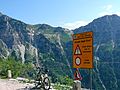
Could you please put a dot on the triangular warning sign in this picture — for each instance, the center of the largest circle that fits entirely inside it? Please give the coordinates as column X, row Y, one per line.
column 77, row 51
column 77, row 75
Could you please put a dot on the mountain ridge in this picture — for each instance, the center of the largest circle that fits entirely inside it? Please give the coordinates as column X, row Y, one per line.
column 52, row 47
column 39, row 44
column 106, row 31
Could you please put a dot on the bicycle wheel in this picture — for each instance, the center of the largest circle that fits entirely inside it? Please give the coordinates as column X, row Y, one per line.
column 46, row 83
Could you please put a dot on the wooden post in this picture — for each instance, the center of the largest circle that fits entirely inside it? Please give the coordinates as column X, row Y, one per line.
column 77, row 85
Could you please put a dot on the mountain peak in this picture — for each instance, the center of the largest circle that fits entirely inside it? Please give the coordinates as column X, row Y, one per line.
column 113, row 16
column 107, row 19
column 102, row 24
column 1, row 14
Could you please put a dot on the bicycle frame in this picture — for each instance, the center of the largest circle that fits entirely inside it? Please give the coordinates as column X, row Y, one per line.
column 41, row 80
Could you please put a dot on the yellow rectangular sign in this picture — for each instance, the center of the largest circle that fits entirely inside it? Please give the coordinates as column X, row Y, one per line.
column 83, row 50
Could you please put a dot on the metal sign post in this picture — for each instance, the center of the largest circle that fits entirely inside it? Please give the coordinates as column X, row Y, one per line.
column 90, row 70
column 83, row 52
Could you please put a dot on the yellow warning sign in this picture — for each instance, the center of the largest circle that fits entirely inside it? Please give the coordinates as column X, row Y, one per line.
column 83, row 50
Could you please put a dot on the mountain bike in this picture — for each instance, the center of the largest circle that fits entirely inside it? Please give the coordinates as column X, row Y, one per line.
column 42, row 80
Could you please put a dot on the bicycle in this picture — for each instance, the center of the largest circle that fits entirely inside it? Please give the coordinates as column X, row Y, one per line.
column 42, row 80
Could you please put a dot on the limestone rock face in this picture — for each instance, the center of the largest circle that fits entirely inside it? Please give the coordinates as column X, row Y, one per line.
column 42, row 44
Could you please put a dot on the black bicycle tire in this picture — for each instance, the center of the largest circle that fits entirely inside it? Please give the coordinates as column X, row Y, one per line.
column 48, row 82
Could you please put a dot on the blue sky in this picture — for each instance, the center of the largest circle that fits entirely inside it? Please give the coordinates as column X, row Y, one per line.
column 66, row 13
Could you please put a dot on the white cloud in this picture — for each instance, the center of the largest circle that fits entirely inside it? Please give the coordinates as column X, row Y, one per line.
column 108, row 7
column 75, row 24
column 107, row 10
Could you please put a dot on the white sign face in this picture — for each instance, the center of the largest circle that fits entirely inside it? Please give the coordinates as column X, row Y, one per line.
column 77, row 61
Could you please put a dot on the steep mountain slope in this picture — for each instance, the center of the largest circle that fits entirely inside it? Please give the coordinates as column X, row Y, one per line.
column 106, row 51
column 51, row 47
column 38, row 44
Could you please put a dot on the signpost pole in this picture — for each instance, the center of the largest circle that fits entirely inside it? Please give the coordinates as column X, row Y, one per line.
column 83, row 52
column 90, row 70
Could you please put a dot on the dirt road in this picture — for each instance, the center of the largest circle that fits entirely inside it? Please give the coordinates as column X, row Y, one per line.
column 13, row 85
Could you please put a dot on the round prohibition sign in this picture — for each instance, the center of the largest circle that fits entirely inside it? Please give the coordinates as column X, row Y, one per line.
column 77, row 61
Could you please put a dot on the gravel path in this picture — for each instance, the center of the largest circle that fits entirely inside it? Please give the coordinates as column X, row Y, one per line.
column 13, row 85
